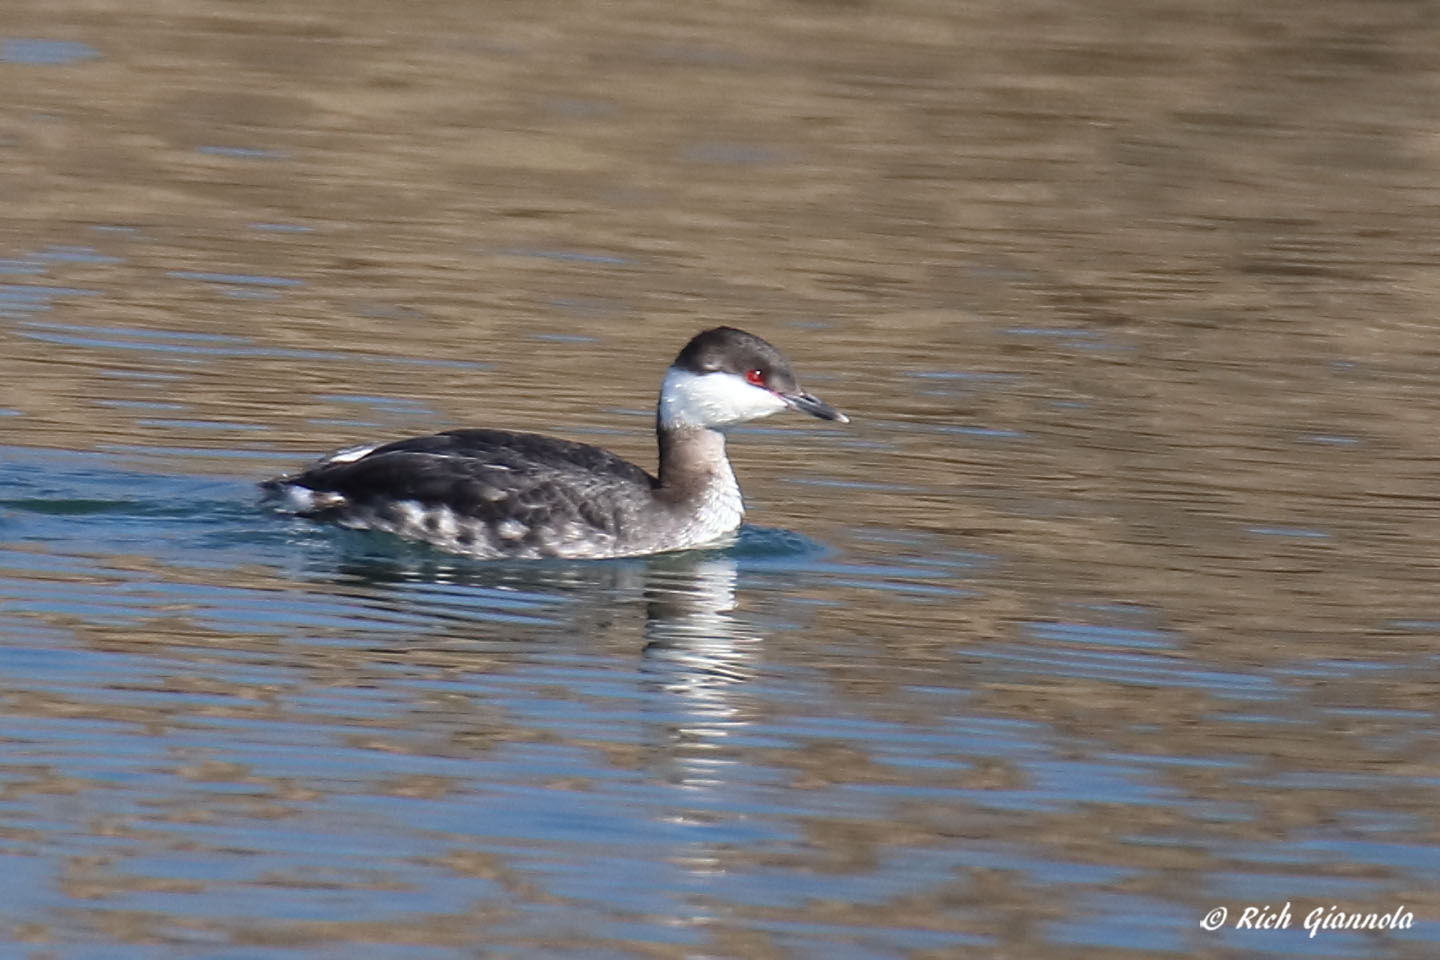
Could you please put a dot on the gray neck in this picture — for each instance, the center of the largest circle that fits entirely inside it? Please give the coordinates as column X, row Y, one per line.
column 691, row 458
column 695, row 475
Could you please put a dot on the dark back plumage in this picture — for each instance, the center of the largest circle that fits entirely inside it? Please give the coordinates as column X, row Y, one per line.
column 509, row 488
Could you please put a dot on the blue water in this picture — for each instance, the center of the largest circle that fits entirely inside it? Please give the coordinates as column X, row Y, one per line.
column 220, row 719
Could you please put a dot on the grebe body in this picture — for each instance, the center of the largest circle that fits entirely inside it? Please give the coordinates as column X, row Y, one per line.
column 494, row 493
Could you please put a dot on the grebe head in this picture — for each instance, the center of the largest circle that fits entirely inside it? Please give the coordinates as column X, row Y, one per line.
column 726, row 376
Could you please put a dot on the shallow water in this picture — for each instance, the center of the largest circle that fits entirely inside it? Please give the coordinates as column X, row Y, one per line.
column 1114, row 605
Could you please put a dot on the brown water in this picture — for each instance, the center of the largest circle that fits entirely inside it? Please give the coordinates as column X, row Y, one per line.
column 1115, row 604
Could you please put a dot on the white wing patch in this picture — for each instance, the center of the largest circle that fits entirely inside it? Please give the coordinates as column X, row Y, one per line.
column 351, row 454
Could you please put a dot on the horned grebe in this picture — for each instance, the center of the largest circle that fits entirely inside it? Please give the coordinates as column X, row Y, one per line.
column 493, row 493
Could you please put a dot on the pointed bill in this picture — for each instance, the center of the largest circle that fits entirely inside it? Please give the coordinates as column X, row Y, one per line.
column 813, row 405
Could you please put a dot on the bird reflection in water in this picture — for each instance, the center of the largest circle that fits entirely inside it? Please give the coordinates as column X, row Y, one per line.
column 690, row 662
column 695, row 654
column 697, row 658
column 693, row 643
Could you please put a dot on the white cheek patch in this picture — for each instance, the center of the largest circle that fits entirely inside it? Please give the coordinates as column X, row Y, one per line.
column 712, row 400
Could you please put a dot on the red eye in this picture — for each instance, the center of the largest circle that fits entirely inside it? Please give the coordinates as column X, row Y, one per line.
column 756, row 376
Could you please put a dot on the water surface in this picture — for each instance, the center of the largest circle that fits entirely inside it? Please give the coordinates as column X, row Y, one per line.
column 1115, row 603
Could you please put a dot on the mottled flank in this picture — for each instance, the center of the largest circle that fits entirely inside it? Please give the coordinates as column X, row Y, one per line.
column 492, row 493
column 487, row 493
